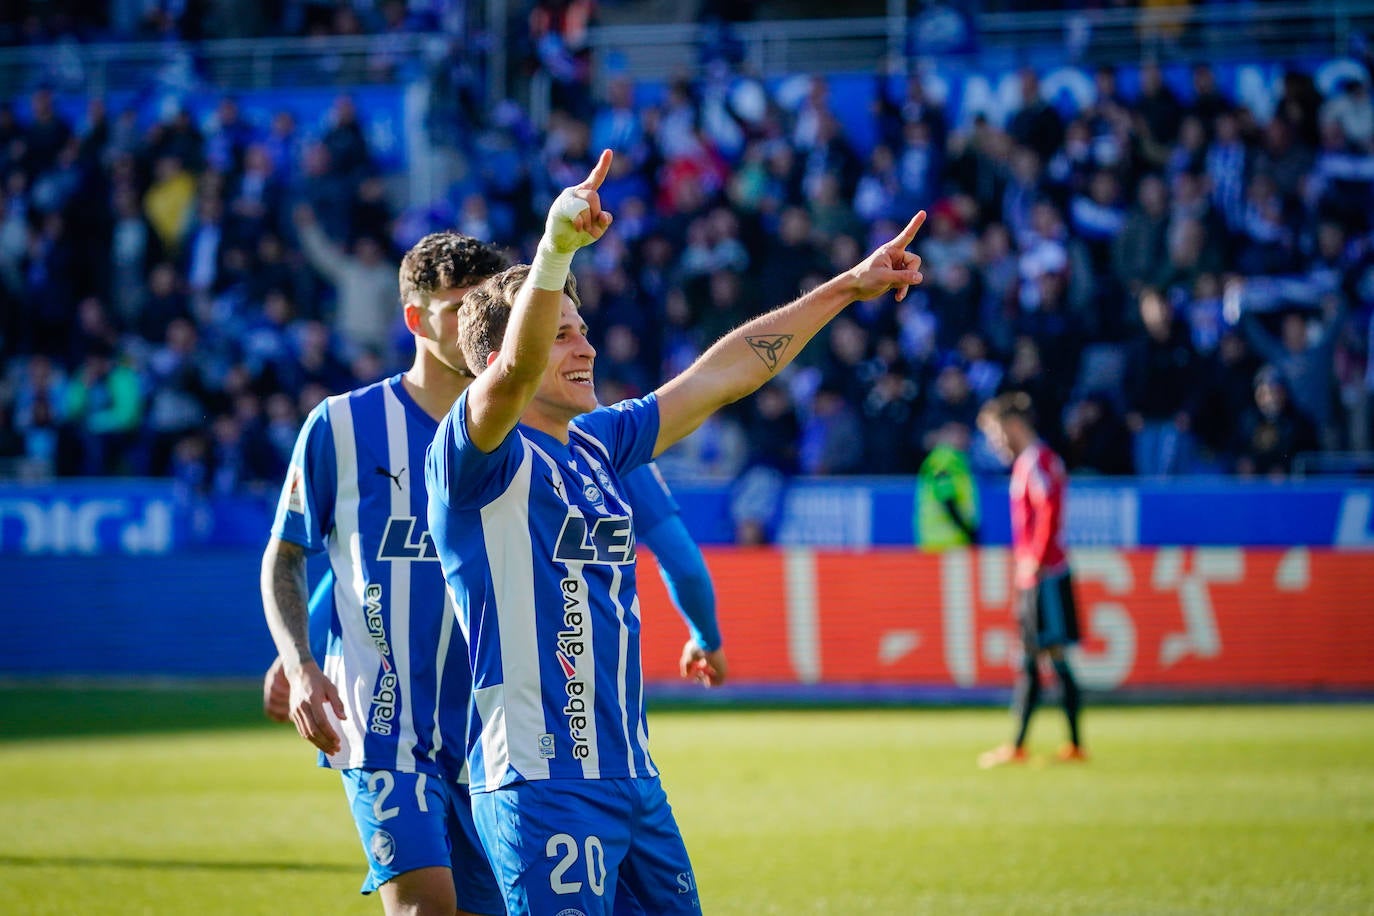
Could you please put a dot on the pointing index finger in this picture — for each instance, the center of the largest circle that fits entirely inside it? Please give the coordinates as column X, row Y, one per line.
column 599, row 172
column 907, row 235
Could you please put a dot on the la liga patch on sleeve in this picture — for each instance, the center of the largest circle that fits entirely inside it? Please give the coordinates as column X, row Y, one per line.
column 295, row 483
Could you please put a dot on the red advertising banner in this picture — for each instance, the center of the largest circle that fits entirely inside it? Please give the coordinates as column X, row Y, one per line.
column 1212, row 617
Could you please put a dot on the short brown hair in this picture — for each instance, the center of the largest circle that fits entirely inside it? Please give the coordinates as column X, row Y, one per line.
column 1007, row 405
column 486, row 312
column 446, row 260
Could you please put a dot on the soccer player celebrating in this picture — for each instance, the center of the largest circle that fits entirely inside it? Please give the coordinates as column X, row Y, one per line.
column 354, row 488
column 529, row 515
column 435, row 275
column 1045, row 605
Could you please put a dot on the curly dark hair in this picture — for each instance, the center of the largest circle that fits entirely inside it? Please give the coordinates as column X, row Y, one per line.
column 444, row 260
column 486, row 312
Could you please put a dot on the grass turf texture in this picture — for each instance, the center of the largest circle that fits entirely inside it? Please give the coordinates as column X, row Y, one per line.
column 1182, row 810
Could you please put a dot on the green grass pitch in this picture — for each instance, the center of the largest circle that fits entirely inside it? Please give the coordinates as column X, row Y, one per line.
column 182, row 802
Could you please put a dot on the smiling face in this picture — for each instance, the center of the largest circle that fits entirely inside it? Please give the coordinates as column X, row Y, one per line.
column 566, row 390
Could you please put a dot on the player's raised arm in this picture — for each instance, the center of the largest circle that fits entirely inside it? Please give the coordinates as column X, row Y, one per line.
column 743, row 360
column 502, row 392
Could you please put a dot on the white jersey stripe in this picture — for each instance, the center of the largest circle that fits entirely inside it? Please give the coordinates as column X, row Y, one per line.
column 345, row 553
column 554, row 473
column 601, row 446
column 585, row 666
column 398, row 455
column 641, row 730
column 495, row 738
column 623, row 653
column 445, row 638
column 505, row 529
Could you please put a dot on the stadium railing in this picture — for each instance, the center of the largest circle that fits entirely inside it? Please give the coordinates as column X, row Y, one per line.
column 1205, row 32
column 254, row 63
column 769, row 48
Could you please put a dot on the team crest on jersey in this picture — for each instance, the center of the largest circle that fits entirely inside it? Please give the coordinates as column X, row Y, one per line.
column 570, row 911
column 591, row 493
column 383, row 848
column 605, row 480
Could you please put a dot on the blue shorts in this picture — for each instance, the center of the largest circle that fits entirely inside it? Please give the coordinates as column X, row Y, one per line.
column 412, row 820
column 571, row 847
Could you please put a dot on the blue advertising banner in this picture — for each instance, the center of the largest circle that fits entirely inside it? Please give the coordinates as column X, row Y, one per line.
column 92, row 517
column 142, row 517
column 1125, row 513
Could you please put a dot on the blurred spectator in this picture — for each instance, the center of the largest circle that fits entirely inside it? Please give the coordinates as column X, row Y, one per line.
column 1208, row 101
column 1161, row 390
column 180, row 396
column 364, row 283
column 1160, row 110
column 831, row 437
column 1097, row 440
column 1303, row 359
column 953, row 403
column 102, row 408
column 946, row 494
column 1142, row 245
column 1036, row 124
column 1027, row 373
column 1352, row 111
column 773, row 432
column 1227, row 164
column 168, row 201
column 1227, row 394
column 1272, row 432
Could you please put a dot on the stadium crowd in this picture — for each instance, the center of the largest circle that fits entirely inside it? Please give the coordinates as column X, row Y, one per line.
column 1180, row 285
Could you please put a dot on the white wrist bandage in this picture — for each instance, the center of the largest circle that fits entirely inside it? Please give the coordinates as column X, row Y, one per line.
column 554, row 257
column 549, row 269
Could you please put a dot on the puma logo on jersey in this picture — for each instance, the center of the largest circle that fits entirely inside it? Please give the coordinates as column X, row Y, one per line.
column 395, row 478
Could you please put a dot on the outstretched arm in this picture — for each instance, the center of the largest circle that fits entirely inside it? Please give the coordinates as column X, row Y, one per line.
column 501, row 393
column 743, row 360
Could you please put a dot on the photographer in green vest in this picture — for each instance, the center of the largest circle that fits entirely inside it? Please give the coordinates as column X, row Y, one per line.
column 946, row 495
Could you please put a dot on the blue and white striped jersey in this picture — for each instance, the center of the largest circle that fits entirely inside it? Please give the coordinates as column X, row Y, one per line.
column 356, row 489
column 537, row 544
column 648, row 493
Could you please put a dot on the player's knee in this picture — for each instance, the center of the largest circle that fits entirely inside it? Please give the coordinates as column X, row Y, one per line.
column 421, row 892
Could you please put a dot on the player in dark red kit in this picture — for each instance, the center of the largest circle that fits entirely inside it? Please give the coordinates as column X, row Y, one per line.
column 1045, row 605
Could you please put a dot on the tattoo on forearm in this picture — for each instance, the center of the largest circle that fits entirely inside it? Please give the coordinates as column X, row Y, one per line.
column 289, row 593
column 770, row 348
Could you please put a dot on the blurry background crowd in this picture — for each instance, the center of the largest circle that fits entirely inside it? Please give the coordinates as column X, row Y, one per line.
column 1182, row 284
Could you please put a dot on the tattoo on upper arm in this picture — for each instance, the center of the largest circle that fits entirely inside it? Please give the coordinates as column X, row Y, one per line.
column 770, row 348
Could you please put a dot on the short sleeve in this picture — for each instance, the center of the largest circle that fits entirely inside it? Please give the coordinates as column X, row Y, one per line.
column 460, row 475
column 627, row 432
column 305, row 509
